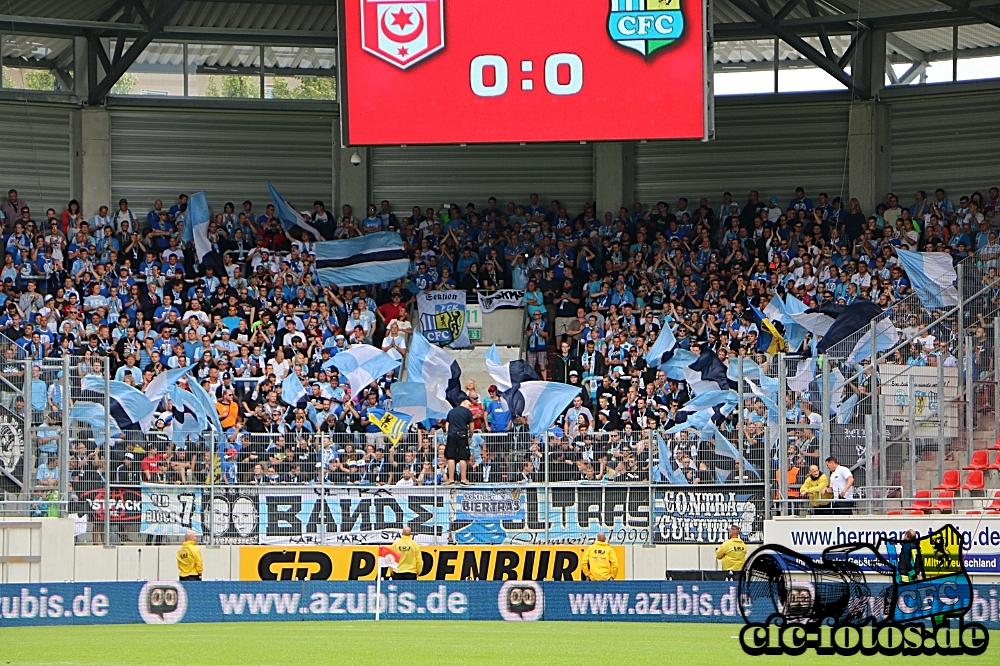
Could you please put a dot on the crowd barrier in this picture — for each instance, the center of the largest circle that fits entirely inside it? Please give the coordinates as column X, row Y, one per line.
column 170, row 602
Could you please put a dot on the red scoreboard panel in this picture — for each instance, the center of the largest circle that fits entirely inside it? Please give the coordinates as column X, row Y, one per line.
column 476, row 71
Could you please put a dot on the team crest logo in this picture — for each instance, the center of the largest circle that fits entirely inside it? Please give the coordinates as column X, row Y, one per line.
column 402, row 33
column 645, row 26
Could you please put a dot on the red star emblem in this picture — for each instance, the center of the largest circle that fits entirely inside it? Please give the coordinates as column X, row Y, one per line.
column 403, row 52
column 401, row 19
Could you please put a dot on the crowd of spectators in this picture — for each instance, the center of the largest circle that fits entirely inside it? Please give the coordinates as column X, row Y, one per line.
column 121, row 285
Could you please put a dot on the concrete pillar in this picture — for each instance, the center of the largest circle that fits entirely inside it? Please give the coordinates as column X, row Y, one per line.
column 92, row 159
column 614, row 168
column 353, row 180
column 868, row 154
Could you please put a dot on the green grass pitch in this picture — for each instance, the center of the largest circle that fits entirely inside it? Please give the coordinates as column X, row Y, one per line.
column 409, row 643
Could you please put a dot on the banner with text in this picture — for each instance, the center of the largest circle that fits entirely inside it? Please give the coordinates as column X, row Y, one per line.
column 171, row 602
column 170, row 510
column 704, row 516
column 439, row 563
column 442, row 318
column 502, row 298
column 980, row 534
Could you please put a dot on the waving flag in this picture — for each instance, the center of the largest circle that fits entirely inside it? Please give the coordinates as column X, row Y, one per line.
column 196, row 224
column 292, row 390
column 854, row 317
column 129, row 406
column 816, row 323
column 392, row 423
column 665, row 469
column 886, row 337
column 933, row 277
column 544, row 403
column 207, row 403
column 362, row 365
column 290, row 219
column 750, row 369
column 159, row 388
column 725, row 448
column 710, row 399
column 189, row 417
column 499, row 372
column 370, row 259
column 433, row 365
column 93, row 414
column 769, row 340
column 678, row 363
column 664, row 345
column 805, row 373
column 707, row 373
column 420, row 400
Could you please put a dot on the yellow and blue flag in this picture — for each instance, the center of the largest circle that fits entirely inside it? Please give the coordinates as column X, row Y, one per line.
column 769, row 340
column 393, row 424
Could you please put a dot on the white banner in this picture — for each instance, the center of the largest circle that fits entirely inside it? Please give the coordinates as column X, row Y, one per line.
column 926, row 397
column 170, row 509
column 443, row 319
column 503, row 298
column 812, row 535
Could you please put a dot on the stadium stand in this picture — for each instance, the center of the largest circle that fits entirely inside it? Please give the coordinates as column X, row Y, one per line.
column 600, row 288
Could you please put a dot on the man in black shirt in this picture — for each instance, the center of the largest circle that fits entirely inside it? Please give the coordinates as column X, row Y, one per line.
column 456, row 449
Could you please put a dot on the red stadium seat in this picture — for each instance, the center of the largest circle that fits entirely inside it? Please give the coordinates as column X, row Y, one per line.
column 995, row 504
column 996, row 461
column 944, row 504
column 996, row 445
column 975, row 480
column 980, row 460
column 952, row 480
column 921, row 503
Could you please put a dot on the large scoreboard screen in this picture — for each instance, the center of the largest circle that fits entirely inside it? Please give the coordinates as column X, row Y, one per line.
column 488, row 71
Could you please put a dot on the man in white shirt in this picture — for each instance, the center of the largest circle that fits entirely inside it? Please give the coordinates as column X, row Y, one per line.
column 842, row 484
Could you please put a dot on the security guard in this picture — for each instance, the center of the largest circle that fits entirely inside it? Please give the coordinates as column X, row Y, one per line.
column 600, row 561
column 189, row 564
column 732, row 552
column 410, row 562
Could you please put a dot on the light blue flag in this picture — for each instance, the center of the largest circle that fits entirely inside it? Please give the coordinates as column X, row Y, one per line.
column 189, row 418
column 795, row 334
column 697, row 421
column 371, row 259
column 711, row 399
column 128, row 404
column 208, row 404
column 292, row 391
column 196, row 224
column 428, row 363
column 93, row 415
column 674, row 368
column 362, row 365
column 751, row 370
column 499, row 371
column 414, row 399
column 288, row 216
column 886, row 337
column 159, row 388
column 846, row 410
column 721, row 475
column 544, row 402
column 665, row 467
column 725, row 448
column 664, row 344
column 932, row 276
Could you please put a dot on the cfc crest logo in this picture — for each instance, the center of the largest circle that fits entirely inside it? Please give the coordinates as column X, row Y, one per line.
column 645, row 26
column 402, row 33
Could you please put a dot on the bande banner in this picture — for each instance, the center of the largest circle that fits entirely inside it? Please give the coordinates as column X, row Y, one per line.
column 705, row 516
column 443, row 319
column 170, row 510
column 502, row 298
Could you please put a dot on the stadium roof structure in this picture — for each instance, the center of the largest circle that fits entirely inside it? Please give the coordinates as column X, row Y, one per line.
column 848, row 39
